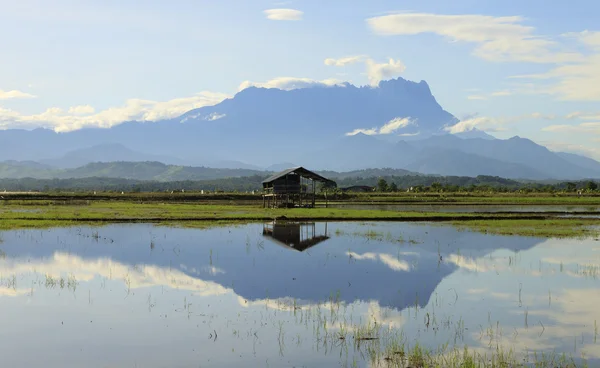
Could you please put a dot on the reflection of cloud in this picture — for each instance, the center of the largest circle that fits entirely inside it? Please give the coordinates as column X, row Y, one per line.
column 135, row 277
column 469, row 264
column 390, row 318
column 389, row 260
column 8, row 291
column 213, row 270
column 477, row 291
column 572, row 317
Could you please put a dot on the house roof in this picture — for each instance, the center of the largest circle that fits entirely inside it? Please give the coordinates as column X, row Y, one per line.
column 297, row 170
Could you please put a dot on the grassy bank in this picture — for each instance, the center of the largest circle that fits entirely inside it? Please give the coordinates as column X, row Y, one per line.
column 44, row 214
column 381, row 198
column 548, row 228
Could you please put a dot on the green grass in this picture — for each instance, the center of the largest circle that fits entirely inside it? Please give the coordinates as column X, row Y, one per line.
column 45, row 214
column 474, row 198
column 554, row 228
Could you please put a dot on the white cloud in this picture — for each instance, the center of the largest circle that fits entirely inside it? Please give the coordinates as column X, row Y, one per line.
column 588, row 38
column 388, row 128
column 284, row 14
column 378, row 72
column 481, row 122
column 496, row 38
column 345, row 60
column 578, row 80
column 574, row 115
column 289, row 83
column 490, row 124
column 501, row 93
column 574, row 81
column 14, row 94
column 581, row 149
column 394, row 124
column 214, row 116
column 476, row 97
column 82, row 110
column 371, row 131
column 581, row 128
column 134, row 109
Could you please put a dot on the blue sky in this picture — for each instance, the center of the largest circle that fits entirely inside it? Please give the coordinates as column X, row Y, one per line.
column 528, row 68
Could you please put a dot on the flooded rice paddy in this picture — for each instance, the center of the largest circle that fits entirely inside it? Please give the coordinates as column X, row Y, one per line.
column 302, row 295
column 470, row 208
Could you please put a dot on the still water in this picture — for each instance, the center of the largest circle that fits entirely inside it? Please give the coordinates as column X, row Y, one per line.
column 297, row 295
column 494, row 208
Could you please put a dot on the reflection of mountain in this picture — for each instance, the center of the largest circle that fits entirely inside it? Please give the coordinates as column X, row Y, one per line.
column 357, row 268
column 294, row 235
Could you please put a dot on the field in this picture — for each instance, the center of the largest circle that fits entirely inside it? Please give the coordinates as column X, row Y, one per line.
column 42, row 210
column 477, row 198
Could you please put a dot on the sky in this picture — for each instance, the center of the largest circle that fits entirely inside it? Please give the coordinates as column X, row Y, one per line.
column 527, row 68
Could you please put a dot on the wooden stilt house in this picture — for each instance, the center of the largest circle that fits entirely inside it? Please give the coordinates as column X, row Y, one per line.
column 295, row 187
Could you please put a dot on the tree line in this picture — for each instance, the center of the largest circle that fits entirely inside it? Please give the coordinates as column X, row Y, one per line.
column 413, row 183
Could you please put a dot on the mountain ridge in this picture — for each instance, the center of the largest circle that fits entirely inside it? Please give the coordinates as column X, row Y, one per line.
column 398, row 124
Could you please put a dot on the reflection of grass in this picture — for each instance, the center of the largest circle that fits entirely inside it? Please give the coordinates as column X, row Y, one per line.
column 591, row 271
column 555, row 228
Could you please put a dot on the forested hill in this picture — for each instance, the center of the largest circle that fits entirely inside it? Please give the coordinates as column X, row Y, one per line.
column 154, row 171
column 251, row 183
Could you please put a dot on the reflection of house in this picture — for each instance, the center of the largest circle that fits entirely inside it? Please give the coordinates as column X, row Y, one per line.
column 297, row 235
column 292, row 187
column 358, row 189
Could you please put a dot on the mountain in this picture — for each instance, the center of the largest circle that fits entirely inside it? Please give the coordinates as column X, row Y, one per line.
column 474, row 133
column 581, row 161
column 447, row 154
column 396, row 125
column 454, row 162
column 127, row 170
column 109, row 152
column 260, row 125
column 514, row 150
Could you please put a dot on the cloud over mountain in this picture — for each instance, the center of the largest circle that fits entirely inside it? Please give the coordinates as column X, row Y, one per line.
column 284, row 14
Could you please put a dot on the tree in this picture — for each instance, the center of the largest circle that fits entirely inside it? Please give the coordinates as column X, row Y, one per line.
column 393, row 187
column 382, row 185
column 571, row 187
column 436, row 187
column 591, row 185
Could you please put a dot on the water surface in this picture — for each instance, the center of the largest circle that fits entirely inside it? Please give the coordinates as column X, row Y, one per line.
column 465, row 208
column 265, row 295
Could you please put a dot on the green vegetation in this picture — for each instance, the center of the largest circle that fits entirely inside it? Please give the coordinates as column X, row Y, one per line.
column 158, row 177
column 555, row 228
column 153, row 171
column 45, row 213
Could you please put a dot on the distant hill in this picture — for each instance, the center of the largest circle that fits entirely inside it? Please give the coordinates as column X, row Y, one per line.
column 110, row 152
column 125, row 170
column 447, row 154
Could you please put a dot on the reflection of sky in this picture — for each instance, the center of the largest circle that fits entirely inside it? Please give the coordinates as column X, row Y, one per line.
column 157, row 305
